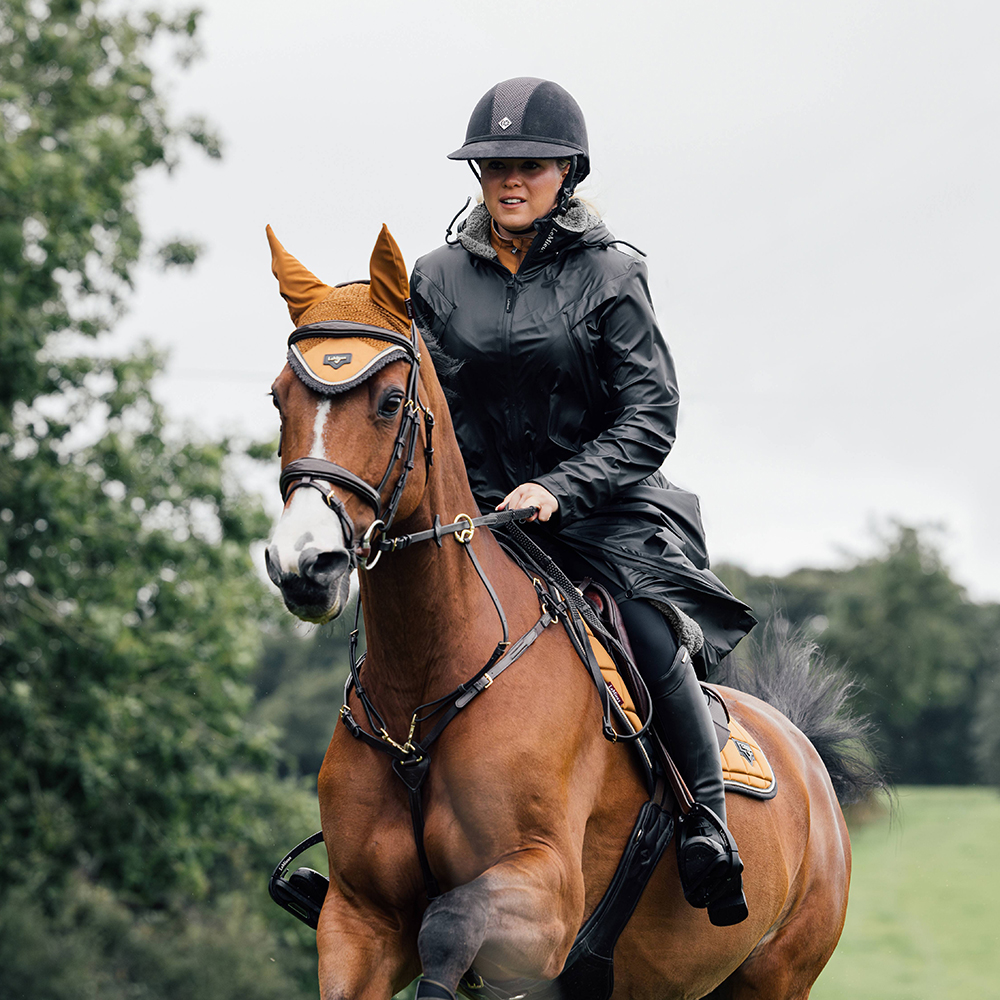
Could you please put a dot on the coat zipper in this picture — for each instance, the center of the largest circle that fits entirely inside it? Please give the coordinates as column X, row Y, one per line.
column 506, row 327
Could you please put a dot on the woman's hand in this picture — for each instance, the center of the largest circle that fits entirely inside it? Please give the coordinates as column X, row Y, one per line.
column 531, row 495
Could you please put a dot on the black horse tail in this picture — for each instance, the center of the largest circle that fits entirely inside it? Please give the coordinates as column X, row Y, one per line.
column 785, row 668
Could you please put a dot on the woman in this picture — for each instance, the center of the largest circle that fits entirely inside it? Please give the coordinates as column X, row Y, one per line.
column 566, row 400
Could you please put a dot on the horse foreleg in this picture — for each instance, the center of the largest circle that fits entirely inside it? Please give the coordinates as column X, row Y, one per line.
column 518, row 919
column 360, row 953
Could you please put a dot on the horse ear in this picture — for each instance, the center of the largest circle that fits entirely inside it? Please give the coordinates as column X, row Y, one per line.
column 299, row 287
column 390, row 287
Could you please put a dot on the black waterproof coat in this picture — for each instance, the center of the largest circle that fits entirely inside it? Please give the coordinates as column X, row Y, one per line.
column 566, row 381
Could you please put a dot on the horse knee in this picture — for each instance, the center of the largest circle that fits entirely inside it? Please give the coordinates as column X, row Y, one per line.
column 452, row 931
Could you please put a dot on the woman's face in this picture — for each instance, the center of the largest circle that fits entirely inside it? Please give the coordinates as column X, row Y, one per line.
column 517, row 192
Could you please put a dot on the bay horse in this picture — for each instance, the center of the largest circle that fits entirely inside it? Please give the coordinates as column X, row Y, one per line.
column 526, row 807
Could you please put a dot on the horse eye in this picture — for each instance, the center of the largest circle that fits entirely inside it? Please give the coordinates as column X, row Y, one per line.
column 274, row 400
column 390, row 404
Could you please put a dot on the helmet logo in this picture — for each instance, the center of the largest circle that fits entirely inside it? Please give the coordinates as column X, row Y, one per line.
column 505, row 122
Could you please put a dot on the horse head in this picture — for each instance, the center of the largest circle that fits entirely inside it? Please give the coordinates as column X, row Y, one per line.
column 350, row 402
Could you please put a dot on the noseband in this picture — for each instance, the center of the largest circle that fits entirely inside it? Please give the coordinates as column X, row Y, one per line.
column 323, row 475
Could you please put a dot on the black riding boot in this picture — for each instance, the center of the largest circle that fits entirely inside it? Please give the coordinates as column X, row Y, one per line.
column 708, row 860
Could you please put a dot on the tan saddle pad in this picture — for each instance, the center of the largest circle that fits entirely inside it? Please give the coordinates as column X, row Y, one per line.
column 745, row 768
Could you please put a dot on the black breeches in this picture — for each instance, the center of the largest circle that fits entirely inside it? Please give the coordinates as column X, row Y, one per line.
column 654, row 644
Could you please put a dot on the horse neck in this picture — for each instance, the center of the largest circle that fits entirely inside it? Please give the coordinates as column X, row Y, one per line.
column 429, row 620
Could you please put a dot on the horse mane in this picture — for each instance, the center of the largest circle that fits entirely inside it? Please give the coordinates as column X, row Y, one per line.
column 786, row 669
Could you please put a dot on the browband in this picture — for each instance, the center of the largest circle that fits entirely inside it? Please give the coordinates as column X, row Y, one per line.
column 335, row 356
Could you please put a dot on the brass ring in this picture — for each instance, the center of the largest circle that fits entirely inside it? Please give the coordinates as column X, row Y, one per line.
column 465, row 535
column 366, row 562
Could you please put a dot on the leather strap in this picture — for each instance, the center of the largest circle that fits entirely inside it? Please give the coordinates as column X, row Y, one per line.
column 412, row 761
column 496, row 519
column 413, row 775
column 319, row 468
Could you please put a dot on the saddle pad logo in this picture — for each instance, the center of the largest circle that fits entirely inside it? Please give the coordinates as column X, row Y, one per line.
column 337, row 360
column 745, row 749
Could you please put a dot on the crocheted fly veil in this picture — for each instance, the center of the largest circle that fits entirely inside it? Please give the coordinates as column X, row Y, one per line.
column 335, row 364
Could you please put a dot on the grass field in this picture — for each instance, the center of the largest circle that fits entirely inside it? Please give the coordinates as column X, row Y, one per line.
column 923, row 921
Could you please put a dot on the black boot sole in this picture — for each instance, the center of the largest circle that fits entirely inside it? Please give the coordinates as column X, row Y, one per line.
column 729, row 909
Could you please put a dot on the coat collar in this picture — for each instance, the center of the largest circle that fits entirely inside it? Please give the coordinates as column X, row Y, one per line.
column 554, row 232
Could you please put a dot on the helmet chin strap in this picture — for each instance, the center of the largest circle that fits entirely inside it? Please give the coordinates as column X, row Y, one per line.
column 566, row 190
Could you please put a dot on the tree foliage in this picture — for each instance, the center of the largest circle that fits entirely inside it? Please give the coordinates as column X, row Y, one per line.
column 919, row 648
column 140, row 807
column 299, row 688
column 131, row 622
column 80, row 119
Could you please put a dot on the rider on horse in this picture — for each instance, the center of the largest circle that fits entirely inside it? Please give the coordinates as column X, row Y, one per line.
column 566, row 399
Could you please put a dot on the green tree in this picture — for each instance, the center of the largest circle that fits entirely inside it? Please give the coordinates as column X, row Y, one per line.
column 299, row 688
column 131, row 622
column 908, row 632
column 140, row 808
column 80, row 119
column 130, row 611
column 986, row 720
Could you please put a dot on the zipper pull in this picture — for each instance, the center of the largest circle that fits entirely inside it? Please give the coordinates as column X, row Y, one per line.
column 510, row 298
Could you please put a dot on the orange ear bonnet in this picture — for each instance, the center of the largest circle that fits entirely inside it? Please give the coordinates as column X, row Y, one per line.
column 331, row 364
column 345, row 334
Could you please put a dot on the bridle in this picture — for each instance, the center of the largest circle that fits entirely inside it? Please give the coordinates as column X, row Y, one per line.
column 322, row 475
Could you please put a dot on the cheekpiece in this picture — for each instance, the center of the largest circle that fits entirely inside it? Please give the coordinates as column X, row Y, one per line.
column 333, row 357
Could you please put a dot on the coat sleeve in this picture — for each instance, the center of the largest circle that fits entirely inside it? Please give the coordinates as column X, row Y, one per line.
column 641, row 418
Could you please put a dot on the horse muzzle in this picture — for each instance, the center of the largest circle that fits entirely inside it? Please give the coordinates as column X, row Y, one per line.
column 308, row 559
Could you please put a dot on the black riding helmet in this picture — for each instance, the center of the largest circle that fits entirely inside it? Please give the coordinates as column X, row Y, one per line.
column 527, row 117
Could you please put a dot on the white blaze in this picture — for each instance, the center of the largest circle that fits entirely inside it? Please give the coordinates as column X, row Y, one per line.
column 307, row 522
column 319, row 426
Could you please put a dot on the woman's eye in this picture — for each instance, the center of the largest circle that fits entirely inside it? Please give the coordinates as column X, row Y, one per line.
column 495, row 165
column 390, row 405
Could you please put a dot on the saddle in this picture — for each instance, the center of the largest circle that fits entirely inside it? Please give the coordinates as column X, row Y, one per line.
column 745, row 768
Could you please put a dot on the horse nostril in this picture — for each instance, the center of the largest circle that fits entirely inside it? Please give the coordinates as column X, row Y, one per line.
column 323, row 567
column 273, row 570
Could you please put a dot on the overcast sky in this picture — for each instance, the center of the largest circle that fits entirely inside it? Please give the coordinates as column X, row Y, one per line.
column 815, row 185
